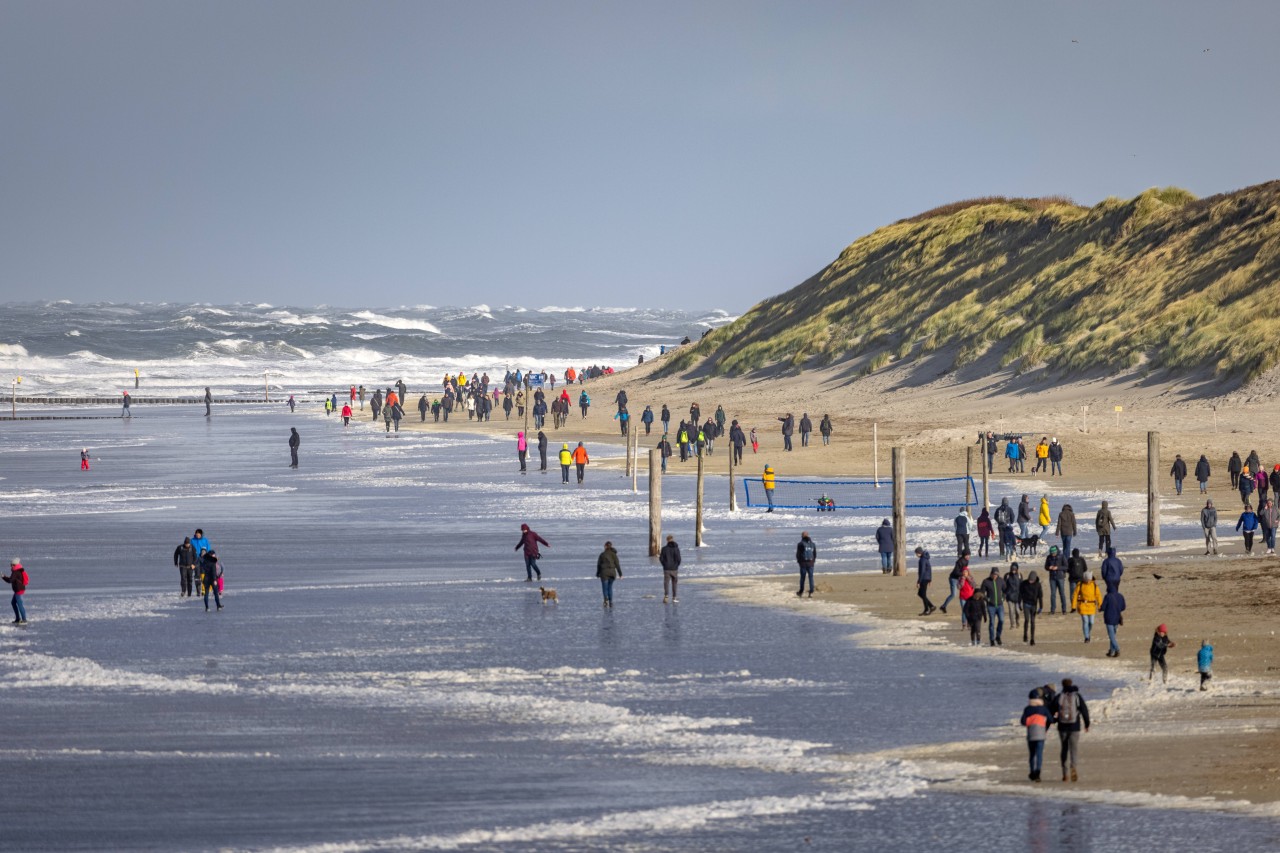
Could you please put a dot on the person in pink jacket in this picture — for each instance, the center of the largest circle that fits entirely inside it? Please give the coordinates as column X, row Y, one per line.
column 522, row 449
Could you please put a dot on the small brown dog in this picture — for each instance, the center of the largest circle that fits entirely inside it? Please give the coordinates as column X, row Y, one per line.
column 549, row 595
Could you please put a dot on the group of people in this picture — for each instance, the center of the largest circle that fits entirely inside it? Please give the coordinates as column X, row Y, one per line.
column 198, row 569
column 1047, row 453
column 608, row 569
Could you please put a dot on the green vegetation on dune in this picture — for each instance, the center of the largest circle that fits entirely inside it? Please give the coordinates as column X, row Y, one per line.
column 1162, row 281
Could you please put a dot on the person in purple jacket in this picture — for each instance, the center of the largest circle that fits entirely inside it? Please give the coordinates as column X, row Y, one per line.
column 529, row 542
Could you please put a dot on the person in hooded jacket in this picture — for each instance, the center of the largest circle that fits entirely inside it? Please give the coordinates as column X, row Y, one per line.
column 825, row 429
column 1104, row 524
column 184, row 557
column 608, row 570
column 1076, row 568
column 924, row 576
column 542, row 450
column 1086, row 601
column 1247, row 485
column 1012, row 588
column 18, row 580
column 646, row 418
column 1112, row 570
column 1055, row 458
column 1055, row 566
column 210, row 571
column 1004, row 526
column 669, row 557
column 984, row 533
column 1160, row 645
column 1024, row 515
column 1209, row 524
column 993, row 591
column 1072, row 712
column 1253, row 462
column 737, row 442
column 1045, row 517
column 884, row 544
column 1234, row 466
column 295, row 441
column 1249, row 522
column 953, row 581
column 964, row 529
column 1037, row 720
column 529, row 541
column 1202, row 474
column 1178, row 472
column 1066, row 525
column 665, row 417
column 1112, row 617
column 975, row 611
column 806, row 556
column 806, row 427
column 664, row 453
column 522, row 450
column 1268, row 519
column 1031, row 596
column 566, row 461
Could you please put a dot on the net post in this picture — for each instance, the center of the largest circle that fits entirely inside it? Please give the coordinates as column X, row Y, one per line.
column 733, row 498
column 968, row 476
column 898, row 463
column 655, row 501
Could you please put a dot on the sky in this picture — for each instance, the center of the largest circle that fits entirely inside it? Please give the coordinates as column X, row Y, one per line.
column 683, row 154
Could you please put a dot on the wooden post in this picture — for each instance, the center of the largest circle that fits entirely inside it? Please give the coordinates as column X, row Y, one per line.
column 968, row 476
column 986, row 491
column 697, row 534
column 1153, row 489
column 635, row 461
column 655, row 501
column 875, row 454
column 733, row 495
column 899, row 511
column 627, row 465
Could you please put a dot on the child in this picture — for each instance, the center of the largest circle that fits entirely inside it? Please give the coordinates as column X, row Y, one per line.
column 975, row 610
column 1160, row 644
column 1204, row 661
column 1036, row 718
column 755, row 445
column 84, row 459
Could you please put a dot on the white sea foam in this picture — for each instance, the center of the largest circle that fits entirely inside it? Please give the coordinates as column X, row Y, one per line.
column 395, row 322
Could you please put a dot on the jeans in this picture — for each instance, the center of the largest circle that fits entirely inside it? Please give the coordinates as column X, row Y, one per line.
column 217, row 598
column 1055, row 467
column 1070, row 743
column 1066, row 545
column 606, row 586
column 1086, row 623
column 768, row 493
column 991, row 458
column 1007, row 543
column 804, row 439
column 955, row 586
column 1035, row 748
column 886, row 561
column 1111, row 636
column 1056, row 585
column 1022, row 525
column 1269, row 534
column 826, row 439
column 995, row 622
column 19, row 609
column 669, row 579
column 564, row 471
column 582, row 470
column 786, row 441
column 531, row 566
column 1177, row 485
column 806, row 572
column 962, row 543
column 1204, row 487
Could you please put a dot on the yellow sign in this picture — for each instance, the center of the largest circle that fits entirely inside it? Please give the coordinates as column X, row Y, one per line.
column 1119, row 409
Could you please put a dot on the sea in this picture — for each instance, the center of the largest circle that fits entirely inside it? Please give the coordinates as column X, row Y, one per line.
column 382, row 677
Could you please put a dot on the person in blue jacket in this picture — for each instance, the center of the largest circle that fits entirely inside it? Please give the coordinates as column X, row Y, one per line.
column 646, row 418
column 1249, row 522
column 1204, row 663
column 1112, row 608
column 884, row 544
column 200, row 543
column 1112, row 570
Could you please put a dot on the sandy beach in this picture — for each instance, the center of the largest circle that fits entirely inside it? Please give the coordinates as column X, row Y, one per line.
column 1213, row 749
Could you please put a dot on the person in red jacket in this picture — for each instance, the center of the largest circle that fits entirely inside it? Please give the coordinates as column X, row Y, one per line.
column 346, row 414
column 17, row 578
column 529, row 542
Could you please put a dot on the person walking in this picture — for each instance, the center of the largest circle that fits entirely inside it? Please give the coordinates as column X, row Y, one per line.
column 788, row 427
column 1202, row 474
column 924, row 575
column 1086, row 602
column 346, row 414
column 975, row 612
column 1178, row 472
column 1112, row 570
column 1113, row 617
column 991, row 447
column 1055, row 458
column 1045, row 518
column 1072, row 713
column 884, row 544
column 755, row 442
column 1032, row 598
column 208, row 402
column 1268, row 520
column 984, row 533
column 184, row 557
column 993, row 592
column 424, row 406
column 84, row 459
column 1056, row 568
column 768, row 480
column 17, row 580
column 1160, row 645
column 608, row 570
column 1004, row 528
column 1012, row 589
column 529, row 541
column 295, row 441
column 1076, row 569
column 566, row 459
column 125, row 413
column 1066, row 525
column 806, row 427
column 669, row 557
column 964, row 529
column 1209, row 524
column 806, row 556
column 665, row 417
column 737, row 442
column 1036, row 719
column 664, row 452
column 1204, row 664
column 1104, row 524
column 646, row 418
column 1249, row 523
column 953, row 584
column 522, row 450
column 825, row 429
column 210, row 571
column 581, row 460
column 1234, row 466
column 1024, row 515
column 293, row 404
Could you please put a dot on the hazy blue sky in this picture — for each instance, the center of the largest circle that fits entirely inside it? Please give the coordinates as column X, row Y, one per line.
column 696, row 154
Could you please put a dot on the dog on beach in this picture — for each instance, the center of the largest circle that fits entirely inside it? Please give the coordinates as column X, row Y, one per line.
column 1029, row 545
column 549, row 595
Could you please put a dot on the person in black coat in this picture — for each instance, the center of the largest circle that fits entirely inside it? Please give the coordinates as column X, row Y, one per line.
column 210, row 571
column 1202, row 474
column 669, row 557
column 184, row 557
column 295, row 441
column 542, row 450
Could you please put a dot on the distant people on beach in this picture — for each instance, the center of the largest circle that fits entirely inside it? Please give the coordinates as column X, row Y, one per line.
column 208, row 402
column 806, row 556
column 669, row 558
column 125, row 413
column 295, row 441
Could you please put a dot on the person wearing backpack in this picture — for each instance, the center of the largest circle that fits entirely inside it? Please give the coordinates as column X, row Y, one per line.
column 1072, row 711
column 1037, row 720
column 806, row 556
column 210, row 572
column 17, row 578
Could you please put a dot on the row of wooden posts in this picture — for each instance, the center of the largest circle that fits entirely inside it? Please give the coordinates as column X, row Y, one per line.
column 899, row 496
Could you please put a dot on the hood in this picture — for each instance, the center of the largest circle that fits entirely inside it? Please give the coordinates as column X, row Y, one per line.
column 1111, row 553
column 1004, row 502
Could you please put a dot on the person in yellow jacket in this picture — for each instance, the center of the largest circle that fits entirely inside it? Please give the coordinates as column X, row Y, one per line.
column 580, row 459
column 1086, row 601
column 768, row 486
column 1042, row 455
column 1045, row 518
column 566, row 459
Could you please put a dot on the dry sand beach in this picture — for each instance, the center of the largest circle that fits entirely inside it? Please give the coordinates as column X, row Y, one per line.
column 1216, row 748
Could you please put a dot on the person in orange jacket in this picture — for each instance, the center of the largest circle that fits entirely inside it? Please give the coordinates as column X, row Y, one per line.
column 580, row 459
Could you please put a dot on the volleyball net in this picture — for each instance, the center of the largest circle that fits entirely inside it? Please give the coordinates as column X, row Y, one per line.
column 829, row 495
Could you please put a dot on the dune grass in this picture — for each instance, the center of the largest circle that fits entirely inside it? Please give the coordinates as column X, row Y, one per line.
column 1162, row 280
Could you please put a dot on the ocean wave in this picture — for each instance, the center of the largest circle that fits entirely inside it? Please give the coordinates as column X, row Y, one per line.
column 395, row 322
column 14, row 350
column 288, row 318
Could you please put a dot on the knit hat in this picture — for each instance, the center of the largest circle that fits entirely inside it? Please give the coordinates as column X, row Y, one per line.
column 1161, row 629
